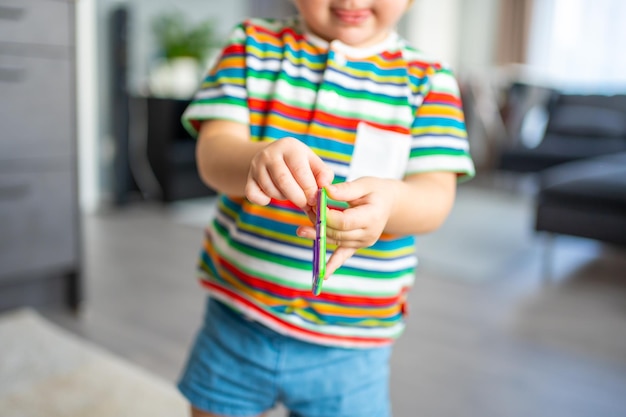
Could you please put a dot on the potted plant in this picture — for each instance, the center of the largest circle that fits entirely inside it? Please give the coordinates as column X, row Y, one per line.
column 183, row 52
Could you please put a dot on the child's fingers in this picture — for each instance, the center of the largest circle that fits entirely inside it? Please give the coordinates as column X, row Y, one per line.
column 303, row 175
column 310, row 172
column 359, row 226
column 338, row 258
column 349, row 239
column 323, row 174
column 254, row 194
column 311, row 213
column 283, row 179
column 306, row 232
column 266, row 183
column 352, row 218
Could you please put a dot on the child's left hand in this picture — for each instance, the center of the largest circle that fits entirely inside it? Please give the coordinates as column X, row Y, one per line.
column 359, row 226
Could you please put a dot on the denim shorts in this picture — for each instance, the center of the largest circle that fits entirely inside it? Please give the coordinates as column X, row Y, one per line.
column 239, row 367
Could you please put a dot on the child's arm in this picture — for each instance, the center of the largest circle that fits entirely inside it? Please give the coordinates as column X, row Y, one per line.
column 418, row 204
column 286, row 169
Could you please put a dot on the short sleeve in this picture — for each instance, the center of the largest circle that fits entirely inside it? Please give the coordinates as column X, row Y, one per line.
column 222, row 94
column 439, row 138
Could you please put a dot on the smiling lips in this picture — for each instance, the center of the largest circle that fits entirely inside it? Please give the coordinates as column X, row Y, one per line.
column 352, row 17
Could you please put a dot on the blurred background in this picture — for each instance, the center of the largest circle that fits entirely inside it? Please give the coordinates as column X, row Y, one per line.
column 519, row 304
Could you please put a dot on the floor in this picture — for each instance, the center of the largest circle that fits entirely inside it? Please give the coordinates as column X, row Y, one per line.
column 503, row 322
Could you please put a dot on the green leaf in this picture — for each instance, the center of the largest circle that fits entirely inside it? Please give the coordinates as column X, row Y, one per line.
column 177, row 37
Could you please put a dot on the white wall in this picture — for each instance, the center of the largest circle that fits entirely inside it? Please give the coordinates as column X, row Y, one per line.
column 433, row 27
column 462, row 33
column 478, row 35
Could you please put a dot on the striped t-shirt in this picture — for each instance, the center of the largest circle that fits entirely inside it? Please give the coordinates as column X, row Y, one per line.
column 386, row 111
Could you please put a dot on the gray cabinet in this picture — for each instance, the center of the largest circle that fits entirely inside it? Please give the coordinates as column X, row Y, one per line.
column 36, row 117
column 37, row 22
column 39, row 216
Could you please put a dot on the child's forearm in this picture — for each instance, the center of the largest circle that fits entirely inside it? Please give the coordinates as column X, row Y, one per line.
column 421, row 203
column 223, row 154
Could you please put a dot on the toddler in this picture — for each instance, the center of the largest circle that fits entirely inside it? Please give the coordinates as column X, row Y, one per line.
column 330, row 98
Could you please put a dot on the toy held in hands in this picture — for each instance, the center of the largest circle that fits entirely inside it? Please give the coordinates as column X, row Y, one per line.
column 319, row 245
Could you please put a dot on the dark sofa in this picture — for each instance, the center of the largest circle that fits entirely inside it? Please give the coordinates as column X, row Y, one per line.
column 580, row 165
column 579, row 126
column 585, row 198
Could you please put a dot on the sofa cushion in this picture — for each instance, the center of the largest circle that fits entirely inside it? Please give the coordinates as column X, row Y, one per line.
column 580, row 120
column 559, row 149
column 605, row 192
column 614, row 101
column 597, row 182
column 585, row 199
column 568, row 148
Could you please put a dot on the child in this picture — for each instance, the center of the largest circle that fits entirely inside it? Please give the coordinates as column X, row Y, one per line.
column 332, row 98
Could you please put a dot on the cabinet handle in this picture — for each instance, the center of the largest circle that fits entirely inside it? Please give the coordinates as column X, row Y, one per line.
column 13, row 191
column 12, row 75
column 11, row 13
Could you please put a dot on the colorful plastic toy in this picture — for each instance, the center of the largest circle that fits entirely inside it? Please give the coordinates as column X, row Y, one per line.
column 319, row 245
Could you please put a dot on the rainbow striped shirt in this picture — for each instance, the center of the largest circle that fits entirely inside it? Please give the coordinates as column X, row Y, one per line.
column 384, row 111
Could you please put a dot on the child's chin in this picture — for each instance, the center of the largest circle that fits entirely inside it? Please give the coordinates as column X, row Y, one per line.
column 358, row 37
column 356, row 41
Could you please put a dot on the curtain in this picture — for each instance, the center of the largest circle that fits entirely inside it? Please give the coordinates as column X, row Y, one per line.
column 514, row 31
column 271, row 8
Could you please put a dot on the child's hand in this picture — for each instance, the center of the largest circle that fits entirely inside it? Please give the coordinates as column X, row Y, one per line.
column 287, row 170
column 359, row 226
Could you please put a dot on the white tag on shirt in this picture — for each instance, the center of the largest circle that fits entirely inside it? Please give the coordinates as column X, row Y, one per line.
column 379, row 153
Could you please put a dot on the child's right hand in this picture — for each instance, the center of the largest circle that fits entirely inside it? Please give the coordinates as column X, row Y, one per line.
column 287, row 169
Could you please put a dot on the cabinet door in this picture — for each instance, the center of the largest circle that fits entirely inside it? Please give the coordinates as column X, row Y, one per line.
column 40, row 22
column 38, row 222
column 36, row 104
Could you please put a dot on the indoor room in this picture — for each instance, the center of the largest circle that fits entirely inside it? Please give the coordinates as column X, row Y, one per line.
column 517, row 303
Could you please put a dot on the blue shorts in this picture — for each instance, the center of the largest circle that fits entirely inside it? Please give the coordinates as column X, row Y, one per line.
column 239, row 367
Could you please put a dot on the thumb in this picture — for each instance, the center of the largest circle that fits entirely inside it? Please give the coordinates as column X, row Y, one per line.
column 346, row 191
column 323, row 173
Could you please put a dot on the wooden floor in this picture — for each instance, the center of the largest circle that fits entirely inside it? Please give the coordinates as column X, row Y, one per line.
column 489, row 333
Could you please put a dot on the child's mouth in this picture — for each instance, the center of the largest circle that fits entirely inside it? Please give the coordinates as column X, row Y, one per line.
column 352, row 17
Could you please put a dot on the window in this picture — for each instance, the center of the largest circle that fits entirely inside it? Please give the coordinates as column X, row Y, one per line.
column 580, row 43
